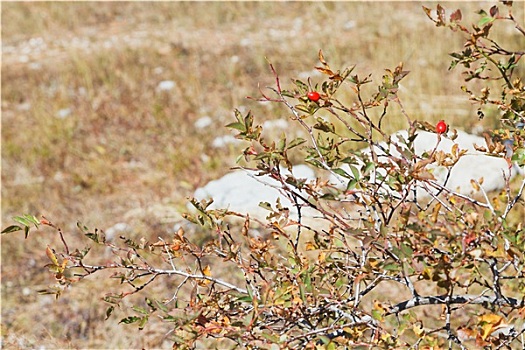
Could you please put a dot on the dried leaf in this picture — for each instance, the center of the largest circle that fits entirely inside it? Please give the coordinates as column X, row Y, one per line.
column 326, row 71
column 440, row 11
column 435, row 212
column 51, row 256
column 321, row 58
column 427, row 11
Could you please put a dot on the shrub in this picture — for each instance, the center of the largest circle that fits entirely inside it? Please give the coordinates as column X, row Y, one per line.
column 374, row 252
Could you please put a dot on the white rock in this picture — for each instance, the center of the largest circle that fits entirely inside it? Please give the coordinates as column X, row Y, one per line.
column 246, row 42
column 472, row 166
column 222, row 141
column 24, row 106
column 349, row 25
column 241, row 191
column 275, row 124
column 158, row 70
column 117, row 229
column 166, row 85
column 203, row 122
column 63, row 113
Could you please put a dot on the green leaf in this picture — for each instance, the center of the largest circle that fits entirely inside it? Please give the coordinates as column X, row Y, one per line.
column 161, row 306
column 130, row 319
column 485, row 20
column 308, row 282
column 328, row 196
column 266, row 205
column 140, row 310
column 170, row 318
column 348, row 160
column 351, row 184
column 324, row 339
column 407, row 250
column 281, row 144
column 302, row 108
column 300, row 85
column 519, row 156
column 246, row 299
column 481, row 12
column 368, row 167
column 32, row 219
column 82, row 227
column 355, row 172
column 391, row 267
column 27, row 220
column 143, row 322
column 324, row 125
column 341, row 172
column 150, row 303
column 272, row 338
column 12, row 228
column 296, row 142
column 109, row 311
column 237, row 126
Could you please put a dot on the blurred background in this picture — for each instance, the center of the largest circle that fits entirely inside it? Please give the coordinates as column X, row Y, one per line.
column 114, row 113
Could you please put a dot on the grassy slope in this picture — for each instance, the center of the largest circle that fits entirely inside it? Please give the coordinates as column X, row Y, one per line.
column 125, row 146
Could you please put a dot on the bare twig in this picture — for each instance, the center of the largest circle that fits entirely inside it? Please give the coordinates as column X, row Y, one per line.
column 169, row 273
column 483, row 300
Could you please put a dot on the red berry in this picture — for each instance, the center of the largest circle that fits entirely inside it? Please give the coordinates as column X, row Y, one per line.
column 441, row 127
column 313, row 96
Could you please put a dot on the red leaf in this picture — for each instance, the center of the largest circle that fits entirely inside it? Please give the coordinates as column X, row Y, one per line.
column 456, row 16
column 494, row 11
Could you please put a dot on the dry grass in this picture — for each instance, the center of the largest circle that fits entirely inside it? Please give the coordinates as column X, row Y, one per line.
column 87, row 136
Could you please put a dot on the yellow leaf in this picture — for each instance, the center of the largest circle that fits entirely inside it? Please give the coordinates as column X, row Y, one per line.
column 206, row 271
column 296, row 300
column 489, row 323
column 454, row 150
column 427, row 273
column 486, row 329
column 490, row 318
column 374, row 262
column 435, row 212
column 423, row 163
column 378, row 306
column 496, row 203
column 310, row 246
column 418, row 330
column 424, row 175
column 51, row 256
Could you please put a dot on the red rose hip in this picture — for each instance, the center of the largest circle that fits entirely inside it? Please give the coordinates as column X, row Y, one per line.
column 441, row 127
column 313, row 96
